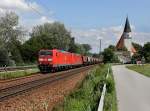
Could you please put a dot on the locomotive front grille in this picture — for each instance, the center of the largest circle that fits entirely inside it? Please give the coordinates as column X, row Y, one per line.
column 44, row 68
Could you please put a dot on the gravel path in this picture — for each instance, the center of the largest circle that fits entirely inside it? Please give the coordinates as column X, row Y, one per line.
column 133, row 89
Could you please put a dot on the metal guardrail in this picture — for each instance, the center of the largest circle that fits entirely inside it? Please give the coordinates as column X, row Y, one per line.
column 101, row 103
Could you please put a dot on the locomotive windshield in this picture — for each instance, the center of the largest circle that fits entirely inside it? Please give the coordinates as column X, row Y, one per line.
column 45, row 52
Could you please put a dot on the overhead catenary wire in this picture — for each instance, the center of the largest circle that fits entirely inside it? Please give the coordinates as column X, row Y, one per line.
column 36, row 11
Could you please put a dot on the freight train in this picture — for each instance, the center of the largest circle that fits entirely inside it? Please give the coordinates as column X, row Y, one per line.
column 55, row 60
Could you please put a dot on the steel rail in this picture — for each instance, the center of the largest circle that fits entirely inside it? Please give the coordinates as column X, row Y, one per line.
column 9, row 92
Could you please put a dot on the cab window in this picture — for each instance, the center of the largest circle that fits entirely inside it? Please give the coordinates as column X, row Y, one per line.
column 44, row 52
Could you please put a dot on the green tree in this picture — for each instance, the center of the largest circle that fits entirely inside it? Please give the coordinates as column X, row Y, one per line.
column 136, row 57
column 10, row 35
column 87, row 48
column 137, row 46
column 96, row 55
column 146, row 51
column 83, row 49
column 109, row 55
column 46, row 36
column 55, row 33
column 112, row 47
column 139, row 52
column 4, row 59
column 73, row 46
column 80, row 49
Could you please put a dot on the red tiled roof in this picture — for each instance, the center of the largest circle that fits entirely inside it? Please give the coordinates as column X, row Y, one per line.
column 120, row 44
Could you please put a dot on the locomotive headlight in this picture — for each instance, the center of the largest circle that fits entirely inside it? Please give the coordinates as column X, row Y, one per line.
column 49, row 59
column 41, row 59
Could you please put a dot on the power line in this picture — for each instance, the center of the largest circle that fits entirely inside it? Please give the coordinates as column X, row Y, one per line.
column 35, row 10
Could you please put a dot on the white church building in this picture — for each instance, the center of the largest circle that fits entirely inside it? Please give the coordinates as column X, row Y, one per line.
column 125, row 49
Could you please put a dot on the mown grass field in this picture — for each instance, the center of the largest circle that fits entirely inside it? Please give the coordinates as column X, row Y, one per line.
column 16, row 74
column 142, row 69
column 87, row 96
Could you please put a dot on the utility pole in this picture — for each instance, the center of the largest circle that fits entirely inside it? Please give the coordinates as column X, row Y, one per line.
column 100, row 46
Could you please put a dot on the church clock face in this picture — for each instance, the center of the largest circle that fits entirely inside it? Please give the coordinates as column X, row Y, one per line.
column 127, row 35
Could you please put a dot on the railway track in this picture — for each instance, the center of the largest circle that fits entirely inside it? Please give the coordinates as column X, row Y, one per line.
column 20, row 78
column 15, row 90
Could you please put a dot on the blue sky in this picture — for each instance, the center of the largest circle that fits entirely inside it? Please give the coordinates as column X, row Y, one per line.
column 99, row 13
column 87, row 20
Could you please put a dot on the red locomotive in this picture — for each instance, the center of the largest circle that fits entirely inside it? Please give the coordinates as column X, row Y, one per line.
column 53, row 60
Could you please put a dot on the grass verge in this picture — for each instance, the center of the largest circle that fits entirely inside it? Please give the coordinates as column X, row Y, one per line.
column 16, row 74
column 142, row 69
column 86, row 97
column 110, row 102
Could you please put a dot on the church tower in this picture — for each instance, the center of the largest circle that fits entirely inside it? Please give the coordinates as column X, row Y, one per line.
column 125, row 41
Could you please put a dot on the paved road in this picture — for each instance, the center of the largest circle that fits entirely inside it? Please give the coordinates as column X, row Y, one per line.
column 133, row 90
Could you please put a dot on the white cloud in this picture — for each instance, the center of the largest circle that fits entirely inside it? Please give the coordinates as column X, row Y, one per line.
column 141, row 37
column 37, row 21
column 34, row 14
column 109, row 35
column 91, row 36
column 2, row 12
column 28, row 24
column 19, row 5
column 44, row 19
